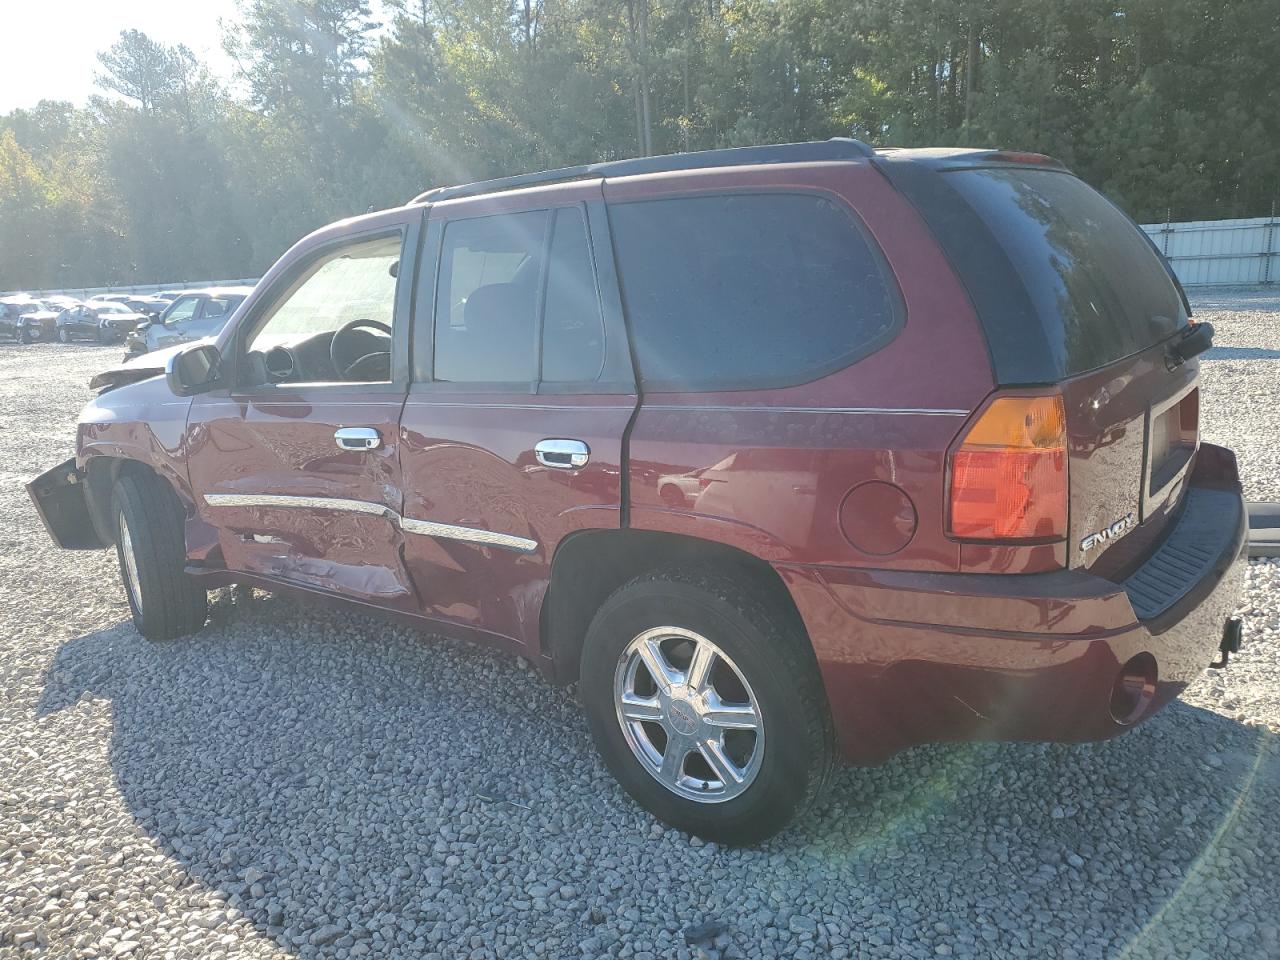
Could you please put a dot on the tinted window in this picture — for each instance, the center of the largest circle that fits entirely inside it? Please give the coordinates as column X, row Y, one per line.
column 743, row 290
column 572, row 326
column 486, row 298
column 219, row 307
column 1098, row 287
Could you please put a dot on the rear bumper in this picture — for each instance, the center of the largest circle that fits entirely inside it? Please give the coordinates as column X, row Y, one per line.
column 911, row 658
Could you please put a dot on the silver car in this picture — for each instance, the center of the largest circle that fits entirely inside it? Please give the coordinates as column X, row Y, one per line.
column 194, row 315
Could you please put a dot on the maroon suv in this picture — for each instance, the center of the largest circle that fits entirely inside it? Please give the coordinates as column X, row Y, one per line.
column 783, row 454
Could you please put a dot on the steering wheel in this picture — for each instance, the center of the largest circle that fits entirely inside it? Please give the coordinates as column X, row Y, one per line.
column 339, row 355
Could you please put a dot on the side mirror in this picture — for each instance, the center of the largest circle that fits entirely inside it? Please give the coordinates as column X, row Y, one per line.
column 194, row 370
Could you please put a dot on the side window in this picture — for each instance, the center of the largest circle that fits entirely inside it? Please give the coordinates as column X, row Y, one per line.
column 486, row 298
column 184, row 308
column 572, row 325
column 215, row 307
column 742, row 290
column 334, row 321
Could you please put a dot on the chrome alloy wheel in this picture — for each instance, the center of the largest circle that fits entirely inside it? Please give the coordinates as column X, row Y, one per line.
column 131, row 581
column 688, row 714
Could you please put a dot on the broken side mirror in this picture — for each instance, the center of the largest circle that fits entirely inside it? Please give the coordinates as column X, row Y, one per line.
column 194, row 370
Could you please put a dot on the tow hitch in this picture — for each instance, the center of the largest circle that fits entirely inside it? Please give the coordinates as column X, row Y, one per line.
column 1231, row 634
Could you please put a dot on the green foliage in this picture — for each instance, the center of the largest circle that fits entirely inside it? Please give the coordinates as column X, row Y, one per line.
column 1169, row 106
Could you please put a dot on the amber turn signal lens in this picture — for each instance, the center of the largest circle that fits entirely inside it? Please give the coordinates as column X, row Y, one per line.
column 1009, row 473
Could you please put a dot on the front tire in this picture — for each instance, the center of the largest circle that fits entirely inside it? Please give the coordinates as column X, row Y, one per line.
column 148, row 517
column 706, row 705
column 63, row 335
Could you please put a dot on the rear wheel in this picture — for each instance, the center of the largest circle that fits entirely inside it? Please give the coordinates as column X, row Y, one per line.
column 706, row 704
column 148, row 518
column 64, row 335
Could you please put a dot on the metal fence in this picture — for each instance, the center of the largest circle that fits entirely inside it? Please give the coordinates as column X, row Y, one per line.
column 84, row 293
column 1204, row 252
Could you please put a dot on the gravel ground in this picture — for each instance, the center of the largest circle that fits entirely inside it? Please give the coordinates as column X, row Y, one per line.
column 316, row 784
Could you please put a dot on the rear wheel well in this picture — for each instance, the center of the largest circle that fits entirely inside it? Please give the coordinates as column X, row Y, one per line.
column 591, row 564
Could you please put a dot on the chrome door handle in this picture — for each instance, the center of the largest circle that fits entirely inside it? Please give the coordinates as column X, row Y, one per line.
column 357, row 438
column 565, row 454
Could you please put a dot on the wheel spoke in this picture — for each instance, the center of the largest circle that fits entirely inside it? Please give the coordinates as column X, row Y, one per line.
column 725, row 769
column 729, row 716
column 678, row 748
column 691, row 677
column 636, row 707
column 699, row 672
column 664, row 675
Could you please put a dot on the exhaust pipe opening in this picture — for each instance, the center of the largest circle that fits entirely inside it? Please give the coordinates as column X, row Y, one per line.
column 1134, row 688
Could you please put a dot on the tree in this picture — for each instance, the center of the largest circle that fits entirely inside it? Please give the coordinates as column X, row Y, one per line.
column 139, row 68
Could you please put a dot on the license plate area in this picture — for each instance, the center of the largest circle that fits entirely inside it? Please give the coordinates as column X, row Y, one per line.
column 1173, row 433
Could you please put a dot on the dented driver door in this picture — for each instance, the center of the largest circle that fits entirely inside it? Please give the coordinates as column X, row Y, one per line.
column 300, row 475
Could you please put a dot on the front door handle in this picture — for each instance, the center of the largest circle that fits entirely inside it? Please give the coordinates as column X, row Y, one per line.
column 564, row 454
column 357, row 438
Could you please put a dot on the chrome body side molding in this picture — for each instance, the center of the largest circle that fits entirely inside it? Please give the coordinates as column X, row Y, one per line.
column 426, row 528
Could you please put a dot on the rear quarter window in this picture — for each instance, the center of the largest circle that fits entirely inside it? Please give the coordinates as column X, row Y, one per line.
column 1099, row 290
column 750, row 290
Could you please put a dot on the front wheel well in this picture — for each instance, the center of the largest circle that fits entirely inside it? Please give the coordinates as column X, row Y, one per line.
column 101, row 474
column 591, row 564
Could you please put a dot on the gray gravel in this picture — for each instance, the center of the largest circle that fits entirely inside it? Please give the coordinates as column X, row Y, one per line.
column 298, row 782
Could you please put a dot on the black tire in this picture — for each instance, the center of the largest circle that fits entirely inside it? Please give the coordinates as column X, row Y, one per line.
column 64, row 335
column 772, row 656
column 171, row 604
column 672, row 496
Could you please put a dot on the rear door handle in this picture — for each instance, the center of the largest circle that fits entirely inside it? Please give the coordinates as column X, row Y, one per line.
column 357, row 438
column 564, row 454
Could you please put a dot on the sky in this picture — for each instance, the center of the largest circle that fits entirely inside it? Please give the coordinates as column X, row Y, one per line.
column 51, row 46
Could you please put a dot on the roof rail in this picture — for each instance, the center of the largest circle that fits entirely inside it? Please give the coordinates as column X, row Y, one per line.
column 837, row 148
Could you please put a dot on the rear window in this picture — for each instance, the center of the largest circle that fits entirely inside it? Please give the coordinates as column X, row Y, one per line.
column 1098, row 288
column 757, row 290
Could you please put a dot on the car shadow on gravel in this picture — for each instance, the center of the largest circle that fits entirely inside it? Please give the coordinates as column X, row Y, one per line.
column 1242, row 353
column 354, row 787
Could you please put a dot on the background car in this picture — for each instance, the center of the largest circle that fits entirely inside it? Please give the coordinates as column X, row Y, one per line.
column 26, row 319
column 194, row 315
column 117, row 320
column 38, row 324
column 150, row 306
column 103, row 322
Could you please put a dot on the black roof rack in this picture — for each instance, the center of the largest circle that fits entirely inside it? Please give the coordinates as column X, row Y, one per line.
column 837, row 148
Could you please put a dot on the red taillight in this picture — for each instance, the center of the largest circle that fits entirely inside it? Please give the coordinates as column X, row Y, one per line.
column 1009, row 472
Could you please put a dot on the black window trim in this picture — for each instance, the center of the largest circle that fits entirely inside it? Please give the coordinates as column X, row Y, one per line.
column 893, row 289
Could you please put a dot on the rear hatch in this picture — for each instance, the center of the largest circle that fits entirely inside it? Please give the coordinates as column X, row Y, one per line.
column 1073, row 295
